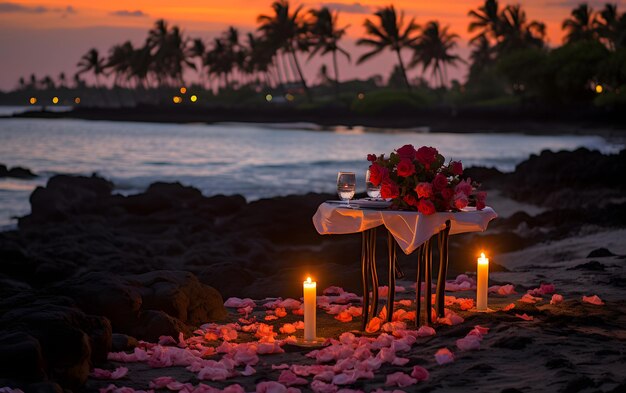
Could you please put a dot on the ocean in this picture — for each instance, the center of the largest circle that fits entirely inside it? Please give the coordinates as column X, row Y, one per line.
column 254, row 160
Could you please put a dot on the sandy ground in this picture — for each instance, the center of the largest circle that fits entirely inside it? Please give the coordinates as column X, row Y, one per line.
column 568, row 347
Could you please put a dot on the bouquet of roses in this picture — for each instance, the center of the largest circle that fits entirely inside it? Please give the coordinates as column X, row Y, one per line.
column 421, row 180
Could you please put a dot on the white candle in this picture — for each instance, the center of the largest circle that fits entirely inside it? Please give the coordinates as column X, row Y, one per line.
column 310, row 306
column 482, row 283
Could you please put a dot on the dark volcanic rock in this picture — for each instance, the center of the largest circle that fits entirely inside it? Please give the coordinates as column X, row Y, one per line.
column 168, row 300
column 16, row 172
column 60, row 342
column 600, row 253
column 592, row 266
column 64, row 195
column 568, row 179
column 20, row 357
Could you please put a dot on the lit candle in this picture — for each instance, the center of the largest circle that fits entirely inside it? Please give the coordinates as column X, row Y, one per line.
column 482, row 283
column 310, row 300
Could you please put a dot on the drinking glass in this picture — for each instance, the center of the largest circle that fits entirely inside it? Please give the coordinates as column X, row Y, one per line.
column 346, row 186
column 372, row 191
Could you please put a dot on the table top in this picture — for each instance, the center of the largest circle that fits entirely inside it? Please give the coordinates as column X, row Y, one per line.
column 410, row 229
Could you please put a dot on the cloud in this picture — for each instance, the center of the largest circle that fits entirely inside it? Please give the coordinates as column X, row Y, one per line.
column 353, row 8
column 6, row 8
column 136, row 13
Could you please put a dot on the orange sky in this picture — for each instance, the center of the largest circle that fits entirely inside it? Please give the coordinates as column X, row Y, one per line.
column 36, row 34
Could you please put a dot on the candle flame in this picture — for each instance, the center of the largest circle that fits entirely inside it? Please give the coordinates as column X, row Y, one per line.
column 308, row 280
column 482, row 254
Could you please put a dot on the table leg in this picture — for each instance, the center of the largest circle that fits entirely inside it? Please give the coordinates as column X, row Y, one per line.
column 365, row 276
column 443, row 270
column 374, row 274
column 391, row 293
column 418, row 285
column 428, row 281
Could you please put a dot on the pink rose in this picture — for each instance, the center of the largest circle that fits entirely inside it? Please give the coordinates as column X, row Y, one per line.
column 456, row 167
column 410, row 200
column 424, row 190
column 440, row 182
column 405, row 167
column 460, row 200
column 389, row 189
column 406, row 151
column 371, row 157
column 378, row 174
column 465, row 186
column 426, row 155
column 426, row 207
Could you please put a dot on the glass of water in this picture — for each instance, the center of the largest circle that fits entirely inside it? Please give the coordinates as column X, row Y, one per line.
column 346, row 186
column 372, row 191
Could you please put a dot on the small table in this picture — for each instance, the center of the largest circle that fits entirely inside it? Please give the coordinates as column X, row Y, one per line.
column 409, row 230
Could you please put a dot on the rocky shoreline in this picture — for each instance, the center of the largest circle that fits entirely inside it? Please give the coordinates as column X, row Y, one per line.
column 90, row 271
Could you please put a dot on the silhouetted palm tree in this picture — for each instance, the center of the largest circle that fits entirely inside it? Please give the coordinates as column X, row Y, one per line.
column 482, row 55
column 486, row 19
column 48, row 83
column 119, row 61
column 325, row 36
column 197, row 49
column 516, row 32
column 611, row 27
column 433, row 50
column 92, row 62
column 286, row 30
column 167, row 46
column 390, row 33
column 581, row 25
column 62, row 80
column 22, row 83
column 32, row 82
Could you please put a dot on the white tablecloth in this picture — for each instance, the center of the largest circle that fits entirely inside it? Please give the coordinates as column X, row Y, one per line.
column 410, row 229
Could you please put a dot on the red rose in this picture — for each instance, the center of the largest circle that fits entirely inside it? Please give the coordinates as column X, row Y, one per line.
column 447, row 193
column 480, row 200
column 456, row 167
column 424, row 190
column 378, row 174
column 426, row 207
column 426, row 155
column 410, row 200
column 389, row 189
column 407, row 151
column 440, row 182
column 371, row 157
column 405, row 167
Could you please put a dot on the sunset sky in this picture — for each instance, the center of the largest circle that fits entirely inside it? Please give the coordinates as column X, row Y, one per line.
column 47, row 37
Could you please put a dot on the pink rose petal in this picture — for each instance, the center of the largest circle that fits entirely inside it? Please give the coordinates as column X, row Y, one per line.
column 400, row 379
column 468, row 343
column 595, row 300
column 443, row 356
column 508, row 307
column 524, row 317
column 235, row 302
column 288, row 378
column 425, row 331
column 556, row 299
column 420, row 373
column 270, row 387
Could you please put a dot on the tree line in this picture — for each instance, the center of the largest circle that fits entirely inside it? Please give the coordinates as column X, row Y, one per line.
column 504, row 41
